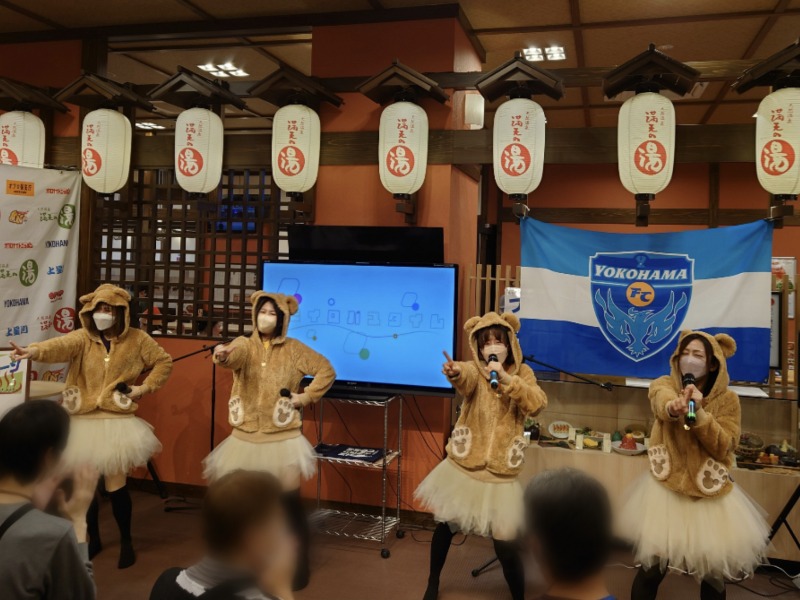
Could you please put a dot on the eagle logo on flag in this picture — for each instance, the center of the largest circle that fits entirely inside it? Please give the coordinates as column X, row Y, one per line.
column 640, row 299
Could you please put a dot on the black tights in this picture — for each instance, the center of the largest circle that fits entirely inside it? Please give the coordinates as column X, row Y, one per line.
column 645, row 585
column 506, row 552
column 122, row 508
column 298, row 521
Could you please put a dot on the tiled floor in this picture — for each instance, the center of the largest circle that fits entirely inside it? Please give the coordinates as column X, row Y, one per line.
column 344, row 570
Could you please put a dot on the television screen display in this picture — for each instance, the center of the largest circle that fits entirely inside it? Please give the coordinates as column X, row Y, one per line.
column 383, row 327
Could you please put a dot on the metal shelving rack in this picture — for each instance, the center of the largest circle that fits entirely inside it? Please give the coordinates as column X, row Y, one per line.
column 354, row 524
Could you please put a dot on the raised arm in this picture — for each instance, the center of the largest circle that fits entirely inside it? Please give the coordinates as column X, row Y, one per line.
column 58, row 350
column 310, row 362
column 525, row 391
column 661, row 394
column 232, row 355
column 719, row 433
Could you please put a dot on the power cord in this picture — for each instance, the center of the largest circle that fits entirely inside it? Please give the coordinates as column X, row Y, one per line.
column 437, row 454
column 424, row 420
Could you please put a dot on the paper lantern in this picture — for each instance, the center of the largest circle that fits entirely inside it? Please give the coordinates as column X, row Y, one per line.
column 778, row 142
column 21, row 139
column 295, row 148
column 646, row 143
column 474, row 105
column 199, row 139
column 105, row 150
column 403, row 147
column 518, row 146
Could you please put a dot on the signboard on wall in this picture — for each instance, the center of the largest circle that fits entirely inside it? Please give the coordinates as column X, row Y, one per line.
column 39, row 226
column 15, row 380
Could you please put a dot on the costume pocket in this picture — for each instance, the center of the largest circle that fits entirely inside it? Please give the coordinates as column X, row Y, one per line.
column 712, row 477
column 461, row 442
column 235, row 411
column 284, row 412
column 71, row 399
column 516, row 453
column 660, row 465
column 121, row 401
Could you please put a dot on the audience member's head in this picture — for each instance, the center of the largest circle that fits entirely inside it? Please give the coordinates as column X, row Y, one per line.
column 569, row 525
column 244, row 524
column 33, row 436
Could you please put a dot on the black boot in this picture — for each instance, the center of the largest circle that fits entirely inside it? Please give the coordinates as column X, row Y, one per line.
column 646, row 582
column 298, row 520
column 122, row 507
column 93, row 528
column 508, row 555
column 440, row 546
column 712, row 589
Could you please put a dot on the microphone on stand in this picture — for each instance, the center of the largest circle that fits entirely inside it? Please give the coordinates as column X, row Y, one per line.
column 493, row 374
column 691, row 417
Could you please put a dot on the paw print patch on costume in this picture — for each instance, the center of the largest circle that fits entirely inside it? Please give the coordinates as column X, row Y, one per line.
column 712, row 477
column 71, row 399
column 516, row 453
column 235, row 411
column 461, row 442
column 659, row 462
column 121, row 400
column 283, row 413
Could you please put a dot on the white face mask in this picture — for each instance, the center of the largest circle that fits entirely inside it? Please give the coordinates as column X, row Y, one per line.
column 102, row 320
column 499, row 350
column 266, row 323
column 692, row 365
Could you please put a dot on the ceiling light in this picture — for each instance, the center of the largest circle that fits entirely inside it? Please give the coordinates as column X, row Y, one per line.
column 207, row 67
column 227, row 67
column 239, row 73
column 533, row 54
column 555, row 53
column 220, row 74
column 148, row 125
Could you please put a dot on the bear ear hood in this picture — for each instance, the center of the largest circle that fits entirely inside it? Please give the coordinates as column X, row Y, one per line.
column 107, row 293
column 287, row 305
column 507, row 320
column 723, row 347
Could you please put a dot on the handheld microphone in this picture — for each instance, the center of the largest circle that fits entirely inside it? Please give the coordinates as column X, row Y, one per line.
column 493, row 374
column 691, row 417
column 123, row 388
column 285, row 393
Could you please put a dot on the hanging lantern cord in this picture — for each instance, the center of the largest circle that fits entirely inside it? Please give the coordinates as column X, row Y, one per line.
column 643, row 208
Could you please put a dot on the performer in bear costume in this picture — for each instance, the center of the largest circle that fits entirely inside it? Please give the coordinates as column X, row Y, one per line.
column 267, row 427
column 475, row 489
column 687, row 513
column 104, row 429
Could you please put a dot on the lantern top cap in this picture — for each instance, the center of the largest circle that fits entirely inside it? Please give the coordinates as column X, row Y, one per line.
column 288, row 86
column 782, row 69
column 15, row 95
column 187, row 89
column 651, row 69
column 93, row 91
column 518, row 78
column 401, row 81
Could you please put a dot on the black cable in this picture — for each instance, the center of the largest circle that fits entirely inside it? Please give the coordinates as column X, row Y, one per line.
column 344, row 423
column 424, row 439
column 752, row 591
column 319, row 440
column 424, row 420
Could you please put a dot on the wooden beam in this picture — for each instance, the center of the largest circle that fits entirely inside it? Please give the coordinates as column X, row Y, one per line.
column 305, row 40
column 580, row 55
column 31, row 15
column 713, row 195
column 658, row 216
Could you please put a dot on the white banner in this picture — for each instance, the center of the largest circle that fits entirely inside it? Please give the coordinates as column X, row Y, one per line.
column 38, row 258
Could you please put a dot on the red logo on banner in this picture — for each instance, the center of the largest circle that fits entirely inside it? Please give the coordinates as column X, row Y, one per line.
column 92, row 163
column 7, row 157
column 777, row 157
column 64, row 320
column 516, row 159
column 291, row 161
column 400, row 161
column 190, row 162
column 650, row 157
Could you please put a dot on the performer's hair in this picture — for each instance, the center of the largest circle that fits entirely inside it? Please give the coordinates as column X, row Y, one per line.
column 30, row 433
column 568, row 515
column 497, row 332
column 278, row 312
column 712, row 364
column 236, row 502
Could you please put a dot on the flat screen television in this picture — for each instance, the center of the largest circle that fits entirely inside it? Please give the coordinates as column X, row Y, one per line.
column 383, row 327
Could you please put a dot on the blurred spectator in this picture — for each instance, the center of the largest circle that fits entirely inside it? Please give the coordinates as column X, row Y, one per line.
column 41, row 556
column 250, row 553
column 569, row 525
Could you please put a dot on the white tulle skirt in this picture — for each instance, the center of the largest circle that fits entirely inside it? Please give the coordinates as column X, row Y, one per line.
column 476, row 507
column 114, row 445
column 724, row 536
column 286, row 459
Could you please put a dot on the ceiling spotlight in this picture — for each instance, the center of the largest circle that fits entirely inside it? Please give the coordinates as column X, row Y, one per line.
column 555, row 53
column 533, row 54
column 227, row 67
column 239, row 73
column 148, row 125
column 220, row 74
column 207, row 67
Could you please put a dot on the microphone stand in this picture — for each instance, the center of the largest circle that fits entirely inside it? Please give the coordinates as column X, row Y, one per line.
column 607, row 386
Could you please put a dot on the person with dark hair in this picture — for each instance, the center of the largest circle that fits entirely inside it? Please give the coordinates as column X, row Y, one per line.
column 569, row 525
column 475, row 489
column 268, row 368
column 42, row 557
column 250, row 553
column 106, row 357
column 687, row 513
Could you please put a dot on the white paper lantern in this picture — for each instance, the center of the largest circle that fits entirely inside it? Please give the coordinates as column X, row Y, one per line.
column 646, row 143
column 105, row 150
column 518, row 146
column 21, row 139
column 403, row 147
column 199, row 139
column 778, row 142
column 295, row 148
column 474, row 104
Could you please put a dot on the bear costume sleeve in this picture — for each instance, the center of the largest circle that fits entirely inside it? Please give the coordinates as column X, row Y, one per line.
column 719, row 432
column 662, row 393
column 311, row 362
column 238, row 356
column 60, row 349
column 466, row 380
column 158, row 361
column 524, row 390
